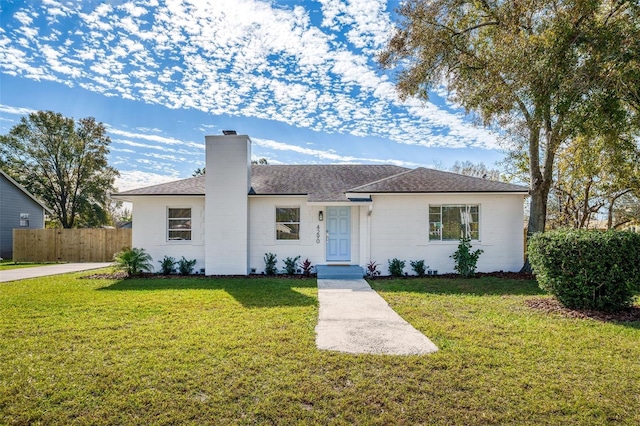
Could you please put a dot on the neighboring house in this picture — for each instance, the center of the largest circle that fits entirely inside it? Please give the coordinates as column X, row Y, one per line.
column 331, row 214
column 633, row 226
column 18, row 209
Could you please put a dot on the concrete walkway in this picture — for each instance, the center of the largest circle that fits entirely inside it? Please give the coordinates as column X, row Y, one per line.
column 355, row 319
column 43, row 271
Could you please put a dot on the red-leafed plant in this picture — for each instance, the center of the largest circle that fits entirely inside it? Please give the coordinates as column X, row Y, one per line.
column 306, row 267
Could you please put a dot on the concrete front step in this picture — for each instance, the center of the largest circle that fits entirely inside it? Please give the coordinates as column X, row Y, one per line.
column 339, row 272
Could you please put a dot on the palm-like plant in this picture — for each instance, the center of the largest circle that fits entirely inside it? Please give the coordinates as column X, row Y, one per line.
column 134, row 261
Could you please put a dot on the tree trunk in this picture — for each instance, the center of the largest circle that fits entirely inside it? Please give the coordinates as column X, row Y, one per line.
column 537, row 211
column 612, row 202
column 540, row 186
column 537, row 216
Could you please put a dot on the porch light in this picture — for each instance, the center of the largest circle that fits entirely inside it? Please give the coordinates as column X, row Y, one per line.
column 320, row 216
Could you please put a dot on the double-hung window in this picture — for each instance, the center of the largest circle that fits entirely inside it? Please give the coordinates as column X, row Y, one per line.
column 24, row 220
column 179, row 224
column 452, row 222
column 287, row 223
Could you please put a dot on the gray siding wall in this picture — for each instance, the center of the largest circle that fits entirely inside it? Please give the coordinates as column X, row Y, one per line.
column 13, row 202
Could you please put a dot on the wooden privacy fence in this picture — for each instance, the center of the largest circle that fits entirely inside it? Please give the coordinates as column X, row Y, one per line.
column 69, row 245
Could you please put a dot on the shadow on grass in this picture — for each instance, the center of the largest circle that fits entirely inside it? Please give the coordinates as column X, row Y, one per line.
column 482, row 286
column 250, row 292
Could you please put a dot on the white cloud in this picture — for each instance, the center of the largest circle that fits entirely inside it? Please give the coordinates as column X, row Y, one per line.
column 7, row 109
column 153, row 138
column 24, row 18
column 132, row 179
column 235, row 57
column 327, row 155
column 367, row 22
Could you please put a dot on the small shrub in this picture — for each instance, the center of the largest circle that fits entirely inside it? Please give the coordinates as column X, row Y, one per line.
column 587, row 269
column 396, row 267
column 270, row 261
column 465, row 259
column 133, row 261
column 372, row 269
column 306, row 267
column 418, row 267
column 186, row 266
column 291, row 264
column 166, row 265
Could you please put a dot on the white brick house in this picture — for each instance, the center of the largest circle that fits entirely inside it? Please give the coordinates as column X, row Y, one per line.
column 332, row 214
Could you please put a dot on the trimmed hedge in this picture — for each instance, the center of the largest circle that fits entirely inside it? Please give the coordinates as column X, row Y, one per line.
column 587, row 269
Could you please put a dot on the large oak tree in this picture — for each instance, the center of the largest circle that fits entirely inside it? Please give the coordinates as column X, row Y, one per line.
column 545, row 71
column 62, row 162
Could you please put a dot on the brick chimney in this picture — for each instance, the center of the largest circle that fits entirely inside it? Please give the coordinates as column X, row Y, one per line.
column 228, row 181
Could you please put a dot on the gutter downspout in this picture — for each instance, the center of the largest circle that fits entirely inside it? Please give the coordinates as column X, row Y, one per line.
column 369, row 233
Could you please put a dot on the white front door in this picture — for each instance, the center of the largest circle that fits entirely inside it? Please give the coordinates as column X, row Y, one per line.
column 338, row 234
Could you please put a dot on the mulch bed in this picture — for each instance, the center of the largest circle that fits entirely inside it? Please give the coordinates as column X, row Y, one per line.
column 549, row 305
column 122, row 275
column 109, row 276
column 497, row 274
column 119, row 275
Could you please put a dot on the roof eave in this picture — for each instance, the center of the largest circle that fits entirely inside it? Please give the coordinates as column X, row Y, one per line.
column 370, row 193
column 125, row 197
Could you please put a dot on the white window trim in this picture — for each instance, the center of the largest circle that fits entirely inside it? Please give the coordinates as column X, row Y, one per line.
column 441, row 241
column 275, row 227
column 170, row 241
column 24, row 217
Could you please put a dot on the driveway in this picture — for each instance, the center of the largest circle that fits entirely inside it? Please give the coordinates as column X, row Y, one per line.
column 354, row 318
column 43, row 271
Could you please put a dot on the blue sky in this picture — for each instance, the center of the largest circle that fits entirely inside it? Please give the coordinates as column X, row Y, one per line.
column 299, row 77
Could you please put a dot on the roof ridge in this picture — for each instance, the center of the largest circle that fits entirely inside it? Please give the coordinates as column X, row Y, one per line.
column 469, row 176
column 383, row 179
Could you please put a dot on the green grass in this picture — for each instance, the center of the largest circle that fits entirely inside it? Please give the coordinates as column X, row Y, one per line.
column 7, row 264
column 242, row 351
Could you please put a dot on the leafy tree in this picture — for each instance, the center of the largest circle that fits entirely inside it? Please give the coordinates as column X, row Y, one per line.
column 62, row 162
column 544, row 71
column 593, row 176
column 202, row 171
column 119, row 212
column 625, row 212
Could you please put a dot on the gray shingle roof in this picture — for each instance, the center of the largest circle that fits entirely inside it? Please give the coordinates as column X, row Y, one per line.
column 189, row 186
column 422, row 180
column 319, row 182
column 325, row 183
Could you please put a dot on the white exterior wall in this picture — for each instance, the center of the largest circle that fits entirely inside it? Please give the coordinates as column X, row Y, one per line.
column 227, row 205
column 400, row 229
column 150, row 223
column 312, row 243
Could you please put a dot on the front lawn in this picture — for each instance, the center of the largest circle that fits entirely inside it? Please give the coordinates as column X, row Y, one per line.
column 216, row 351
column 7, row 264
